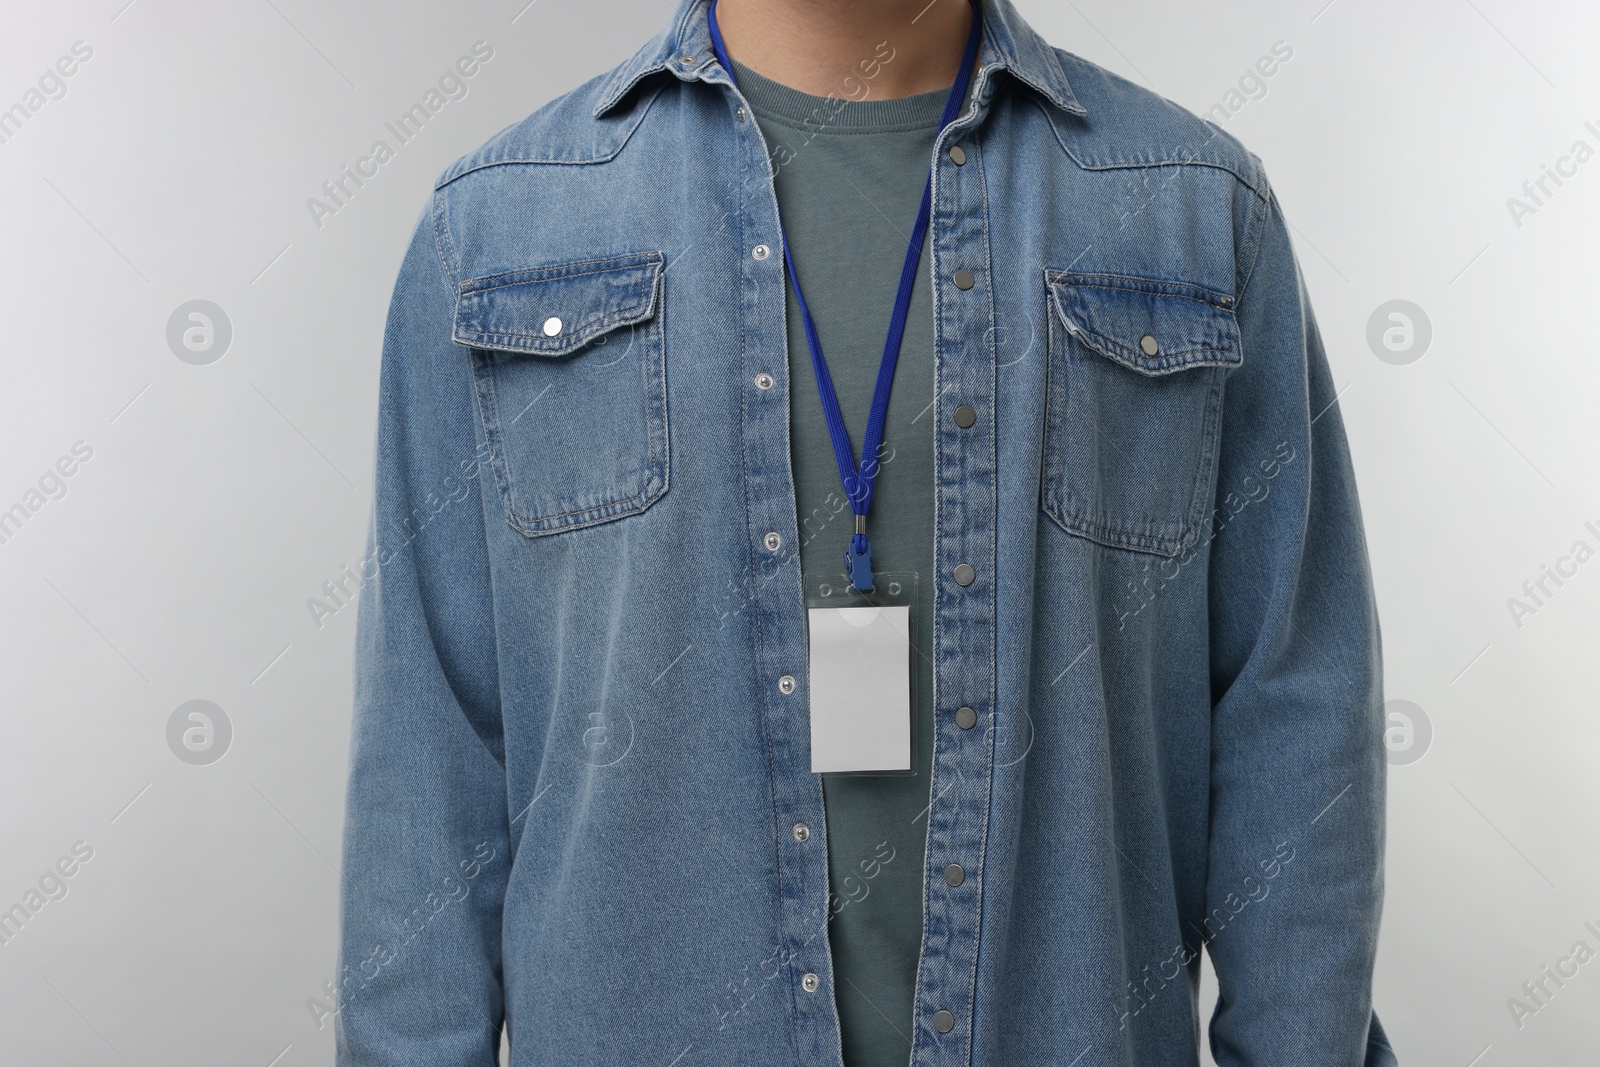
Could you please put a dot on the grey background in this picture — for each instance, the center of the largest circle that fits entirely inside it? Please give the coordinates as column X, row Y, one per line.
column 219, row 497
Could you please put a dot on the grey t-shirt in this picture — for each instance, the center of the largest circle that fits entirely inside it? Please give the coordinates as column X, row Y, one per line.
column 850, row 175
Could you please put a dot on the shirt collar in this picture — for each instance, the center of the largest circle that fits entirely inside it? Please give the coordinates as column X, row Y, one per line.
column 684, row 48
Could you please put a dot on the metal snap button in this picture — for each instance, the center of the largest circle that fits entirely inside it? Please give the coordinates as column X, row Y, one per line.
column 786, row 684
column 802, row 832
column 964, row 574
column 772, row 541
column 810, row 982
column 552, row 326
column 965, row 416
column 1148, row 346
column 763, row 380
column 954, row 874
column 944, row 1022
column 957, row 155
column 761, row 251
column 962, row 278
column 966, row 718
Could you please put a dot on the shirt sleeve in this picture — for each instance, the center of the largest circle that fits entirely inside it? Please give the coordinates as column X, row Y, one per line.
column 1295, row 879
column 426, row 840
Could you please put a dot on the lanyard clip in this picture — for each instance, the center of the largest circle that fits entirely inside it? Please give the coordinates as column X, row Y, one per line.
column 858, row 560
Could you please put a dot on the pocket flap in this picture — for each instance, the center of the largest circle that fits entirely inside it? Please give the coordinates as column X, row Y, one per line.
column 1152, row 327
column 551, row 311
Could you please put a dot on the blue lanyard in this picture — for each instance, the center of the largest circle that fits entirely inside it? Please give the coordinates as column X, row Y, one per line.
column 858, row 479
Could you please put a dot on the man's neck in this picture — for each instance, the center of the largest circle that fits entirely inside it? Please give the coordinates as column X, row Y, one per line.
column 852, row 49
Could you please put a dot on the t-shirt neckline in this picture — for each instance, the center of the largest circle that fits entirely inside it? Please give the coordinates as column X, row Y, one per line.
column 777, row 102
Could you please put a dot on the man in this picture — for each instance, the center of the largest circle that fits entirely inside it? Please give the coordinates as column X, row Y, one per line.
column 869, row 570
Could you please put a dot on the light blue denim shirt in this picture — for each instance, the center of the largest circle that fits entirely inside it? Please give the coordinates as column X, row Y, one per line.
column 580, row 781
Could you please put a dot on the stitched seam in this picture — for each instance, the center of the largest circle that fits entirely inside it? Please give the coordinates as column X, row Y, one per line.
column 530, row 161
column 557, row 272
column 1253, row 233
column 596, row 327
column 991, row 689
column 1060, row 279
column 1164, row 362
column 1248, row 183
column 1165, row 163
column 1208, row 460
column 1138, row 360
column 1148, row 164
column 1121, row 539
column 489, row 413
column 441, row 236
column 1124, row 356
column 663, row 429
column 1118, row 536
column 598, row 511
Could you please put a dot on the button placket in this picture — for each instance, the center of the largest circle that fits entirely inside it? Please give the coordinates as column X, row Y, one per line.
column 966, row 486
column 771, row 598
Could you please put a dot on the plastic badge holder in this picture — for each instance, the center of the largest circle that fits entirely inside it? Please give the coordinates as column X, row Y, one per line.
column 847, row 730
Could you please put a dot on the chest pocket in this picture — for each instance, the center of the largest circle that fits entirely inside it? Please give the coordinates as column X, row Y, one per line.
column 571, row 385
column 1135, row 382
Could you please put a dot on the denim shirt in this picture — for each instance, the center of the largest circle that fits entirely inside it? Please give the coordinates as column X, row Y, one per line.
column 580, row 802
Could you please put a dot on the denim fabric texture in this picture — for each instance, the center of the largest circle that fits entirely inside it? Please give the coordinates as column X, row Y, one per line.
column 579, row 760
